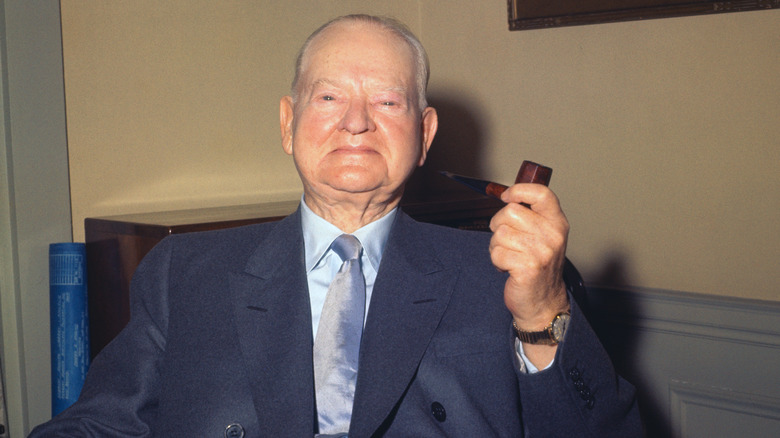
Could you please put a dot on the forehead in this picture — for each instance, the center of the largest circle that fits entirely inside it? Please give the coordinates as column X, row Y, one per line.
column 363, row 48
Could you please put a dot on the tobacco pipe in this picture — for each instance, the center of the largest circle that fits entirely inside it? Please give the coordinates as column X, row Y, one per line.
column 529, row 172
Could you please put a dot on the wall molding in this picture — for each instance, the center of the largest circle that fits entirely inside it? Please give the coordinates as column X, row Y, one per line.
column 721, row 318
column 683, row 396
column 702, row 363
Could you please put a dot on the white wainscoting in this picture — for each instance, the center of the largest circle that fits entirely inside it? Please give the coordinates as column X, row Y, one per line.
column 704, row 365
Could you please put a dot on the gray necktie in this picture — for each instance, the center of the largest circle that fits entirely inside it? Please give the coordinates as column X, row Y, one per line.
column 337, row 345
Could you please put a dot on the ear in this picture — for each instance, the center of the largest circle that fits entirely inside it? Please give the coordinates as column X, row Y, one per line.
column 430, row 123
column 286, row 115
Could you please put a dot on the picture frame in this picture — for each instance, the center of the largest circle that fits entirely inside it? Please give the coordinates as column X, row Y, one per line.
column 540, row 14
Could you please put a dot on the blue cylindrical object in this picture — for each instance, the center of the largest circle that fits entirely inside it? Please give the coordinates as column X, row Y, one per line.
column 69, row 323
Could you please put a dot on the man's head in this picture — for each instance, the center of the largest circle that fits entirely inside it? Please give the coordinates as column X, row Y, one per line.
column 357, row 124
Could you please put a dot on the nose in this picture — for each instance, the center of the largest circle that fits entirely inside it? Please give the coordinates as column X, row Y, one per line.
column 357, row 119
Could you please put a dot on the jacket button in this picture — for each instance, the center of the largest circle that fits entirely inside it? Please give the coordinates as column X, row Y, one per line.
column 438, row 412
column 234, row 430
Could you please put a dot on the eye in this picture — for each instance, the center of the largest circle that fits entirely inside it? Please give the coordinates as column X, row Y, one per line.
column 389, row 100
column 328, row 97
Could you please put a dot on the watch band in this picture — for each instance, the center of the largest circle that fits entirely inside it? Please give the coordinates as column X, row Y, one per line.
column 546, row 336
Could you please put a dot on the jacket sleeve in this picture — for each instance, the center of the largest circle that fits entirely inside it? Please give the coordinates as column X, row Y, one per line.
column 119, row 395
column 580, row 394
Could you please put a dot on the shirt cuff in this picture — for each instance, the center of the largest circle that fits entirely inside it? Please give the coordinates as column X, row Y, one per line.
column 524, row 363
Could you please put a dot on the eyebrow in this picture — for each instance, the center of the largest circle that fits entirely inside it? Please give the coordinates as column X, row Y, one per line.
column 326, row 82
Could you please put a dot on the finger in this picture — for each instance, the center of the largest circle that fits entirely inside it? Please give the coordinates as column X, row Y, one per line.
column 516, row 231
column 518, row 219
column 536, row 196
column 521, row 252
column 525, row 242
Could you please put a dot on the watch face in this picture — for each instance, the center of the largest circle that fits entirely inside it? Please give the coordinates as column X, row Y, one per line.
column 559, row 326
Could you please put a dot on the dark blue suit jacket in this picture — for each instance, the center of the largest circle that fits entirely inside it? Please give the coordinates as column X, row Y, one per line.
column 221, row 334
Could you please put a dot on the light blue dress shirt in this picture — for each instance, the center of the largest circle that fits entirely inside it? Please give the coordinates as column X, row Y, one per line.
column 323, row 264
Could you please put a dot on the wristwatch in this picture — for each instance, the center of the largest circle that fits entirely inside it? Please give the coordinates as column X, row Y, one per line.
column 550, row 335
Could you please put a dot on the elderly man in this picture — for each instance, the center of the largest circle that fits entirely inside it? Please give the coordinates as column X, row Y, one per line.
column 348, row 316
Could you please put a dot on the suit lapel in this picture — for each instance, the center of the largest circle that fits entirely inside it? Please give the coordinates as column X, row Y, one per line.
column 410, row 296
column 273, row 321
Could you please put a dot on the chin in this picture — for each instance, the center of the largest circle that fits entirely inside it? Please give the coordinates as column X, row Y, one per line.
column 355, row 180
column 356, row 188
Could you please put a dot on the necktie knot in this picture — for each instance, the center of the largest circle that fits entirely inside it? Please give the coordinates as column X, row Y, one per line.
column 347, row 247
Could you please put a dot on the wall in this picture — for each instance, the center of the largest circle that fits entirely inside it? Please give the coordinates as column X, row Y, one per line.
column 34, row 201
column 662, row 133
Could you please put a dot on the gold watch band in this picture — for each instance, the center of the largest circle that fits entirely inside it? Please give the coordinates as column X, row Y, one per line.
column 546, row 336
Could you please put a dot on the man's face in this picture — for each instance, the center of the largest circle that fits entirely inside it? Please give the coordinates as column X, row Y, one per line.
column 356, row 130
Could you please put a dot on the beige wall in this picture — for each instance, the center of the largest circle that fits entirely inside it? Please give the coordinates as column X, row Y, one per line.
column 663, row 134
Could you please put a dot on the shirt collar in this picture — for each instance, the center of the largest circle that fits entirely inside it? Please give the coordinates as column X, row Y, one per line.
column 318, row 234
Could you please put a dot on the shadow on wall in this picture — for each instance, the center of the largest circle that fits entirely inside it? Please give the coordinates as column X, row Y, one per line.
column 621, row 339
column 457, row 147
column 614, row 270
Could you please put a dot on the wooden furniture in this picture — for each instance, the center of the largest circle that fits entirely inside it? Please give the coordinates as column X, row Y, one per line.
column 116, row 244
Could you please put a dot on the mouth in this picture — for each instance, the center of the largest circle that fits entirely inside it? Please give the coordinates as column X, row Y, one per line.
column 354, row 150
